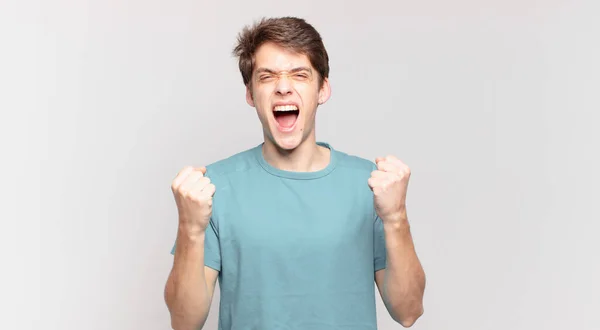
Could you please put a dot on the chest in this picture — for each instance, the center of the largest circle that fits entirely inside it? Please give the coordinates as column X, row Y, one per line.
column 285, row 216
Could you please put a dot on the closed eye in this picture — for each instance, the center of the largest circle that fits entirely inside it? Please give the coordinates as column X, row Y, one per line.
column 266, row 77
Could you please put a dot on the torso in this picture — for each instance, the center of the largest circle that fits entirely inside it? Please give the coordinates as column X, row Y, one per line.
column 296, row 249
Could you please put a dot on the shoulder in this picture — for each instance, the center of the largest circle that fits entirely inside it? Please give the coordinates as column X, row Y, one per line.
column 355, row 163
column 235, row 165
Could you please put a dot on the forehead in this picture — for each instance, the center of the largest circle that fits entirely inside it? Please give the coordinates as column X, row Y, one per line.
column 274, row 57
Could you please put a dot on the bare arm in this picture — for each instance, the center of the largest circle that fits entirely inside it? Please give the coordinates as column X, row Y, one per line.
column 190, row 286
column 402, row 283
column 189, row 289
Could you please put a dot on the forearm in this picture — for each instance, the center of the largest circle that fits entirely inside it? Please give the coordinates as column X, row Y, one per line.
column 186, row 294
column 404, row 282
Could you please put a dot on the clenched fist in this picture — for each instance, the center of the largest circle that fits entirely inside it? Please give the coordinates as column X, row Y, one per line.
column 389, row 184
column 194, row 196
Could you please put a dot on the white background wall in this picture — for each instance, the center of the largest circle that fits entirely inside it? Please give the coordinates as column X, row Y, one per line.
column 493, row 104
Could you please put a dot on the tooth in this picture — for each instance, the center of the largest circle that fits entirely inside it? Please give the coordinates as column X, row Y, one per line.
column 286, row 108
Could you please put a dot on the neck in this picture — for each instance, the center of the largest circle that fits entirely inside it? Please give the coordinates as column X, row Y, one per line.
column 307, row 157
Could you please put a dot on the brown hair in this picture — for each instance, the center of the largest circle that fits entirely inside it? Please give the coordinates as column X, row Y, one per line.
column 291, row 33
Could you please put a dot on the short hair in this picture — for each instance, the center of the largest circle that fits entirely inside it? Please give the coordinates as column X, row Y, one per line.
column 291, row 33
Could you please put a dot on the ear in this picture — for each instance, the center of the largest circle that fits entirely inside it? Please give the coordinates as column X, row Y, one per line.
column 249, row 98
column 325, row 91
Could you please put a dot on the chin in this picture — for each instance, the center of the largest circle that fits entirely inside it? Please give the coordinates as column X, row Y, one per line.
column 287, row 143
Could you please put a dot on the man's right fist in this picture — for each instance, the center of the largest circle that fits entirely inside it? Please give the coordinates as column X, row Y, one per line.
column 194, row 196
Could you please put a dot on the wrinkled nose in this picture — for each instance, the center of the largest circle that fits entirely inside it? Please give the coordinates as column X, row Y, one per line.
column 284, row 86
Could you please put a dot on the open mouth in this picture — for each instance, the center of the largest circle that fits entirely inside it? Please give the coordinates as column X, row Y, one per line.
column 286, row 115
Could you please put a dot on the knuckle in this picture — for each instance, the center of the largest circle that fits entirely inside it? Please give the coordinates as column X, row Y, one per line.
column 192, row 197
column 186, row 194
column 199, row 198
column 184, row 170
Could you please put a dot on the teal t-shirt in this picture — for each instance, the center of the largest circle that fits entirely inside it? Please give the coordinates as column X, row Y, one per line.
column 294, row 250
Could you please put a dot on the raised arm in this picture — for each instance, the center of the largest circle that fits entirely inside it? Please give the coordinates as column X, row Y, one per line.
column 402, row 282
column 190, row 285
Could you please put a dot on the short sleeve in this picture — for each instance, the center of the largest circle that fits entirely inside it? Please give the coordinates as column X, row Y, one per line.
column 212, row 248
column 379, row 250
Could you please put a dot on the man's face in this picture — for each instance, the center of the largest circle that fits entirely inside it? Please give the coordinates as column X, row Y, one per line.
column 285, row 92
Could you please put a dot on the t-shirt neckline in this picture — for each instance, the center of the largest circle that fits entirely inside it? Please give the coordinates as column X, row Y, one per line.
column 298, row 175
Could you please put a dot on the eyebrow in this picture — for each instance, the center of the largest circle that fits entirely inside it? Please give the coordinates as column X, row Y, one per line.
column 294, row 70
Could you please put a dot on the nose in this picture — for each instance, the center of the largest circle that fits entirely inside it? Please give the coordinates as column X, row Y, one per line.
column 284, row 86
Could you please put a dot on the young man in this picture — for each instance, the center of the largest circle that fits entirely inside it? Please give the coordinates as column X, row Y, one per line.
column 295, row 231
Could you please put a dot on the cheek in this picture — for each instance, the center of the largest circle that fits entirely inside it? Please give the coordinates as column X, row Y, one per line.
column 262, row 101
column 309, row 95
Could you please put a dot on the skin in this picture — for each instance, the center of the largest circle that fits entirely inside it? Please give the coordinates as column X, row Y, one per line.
column 295, row 150
column 402, row 283
column 190, row 285
column 282, row 76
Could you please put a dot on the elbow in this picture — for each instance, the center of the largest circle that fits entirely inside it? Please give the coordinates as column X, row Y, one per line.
column 407, row 320
column 181, row 323
column 180, row 317
column 187, row 321
column 179, row 326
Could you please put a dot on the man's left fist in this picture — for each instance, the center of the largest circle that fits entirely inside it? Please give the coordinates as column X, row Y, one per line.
column 389, row 184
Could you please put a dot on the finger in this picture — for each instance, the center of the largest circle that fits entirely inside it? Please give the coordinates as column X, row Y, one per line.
column 376, row 182
column 181, row 176
column 199, row 185
column 392, row 159
column 202, row 169
column 192, row 180
column 397, row 162
column 387, row 157
column 371, row 182
column 387, row 166
column 379, row 174
column 208, row 191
